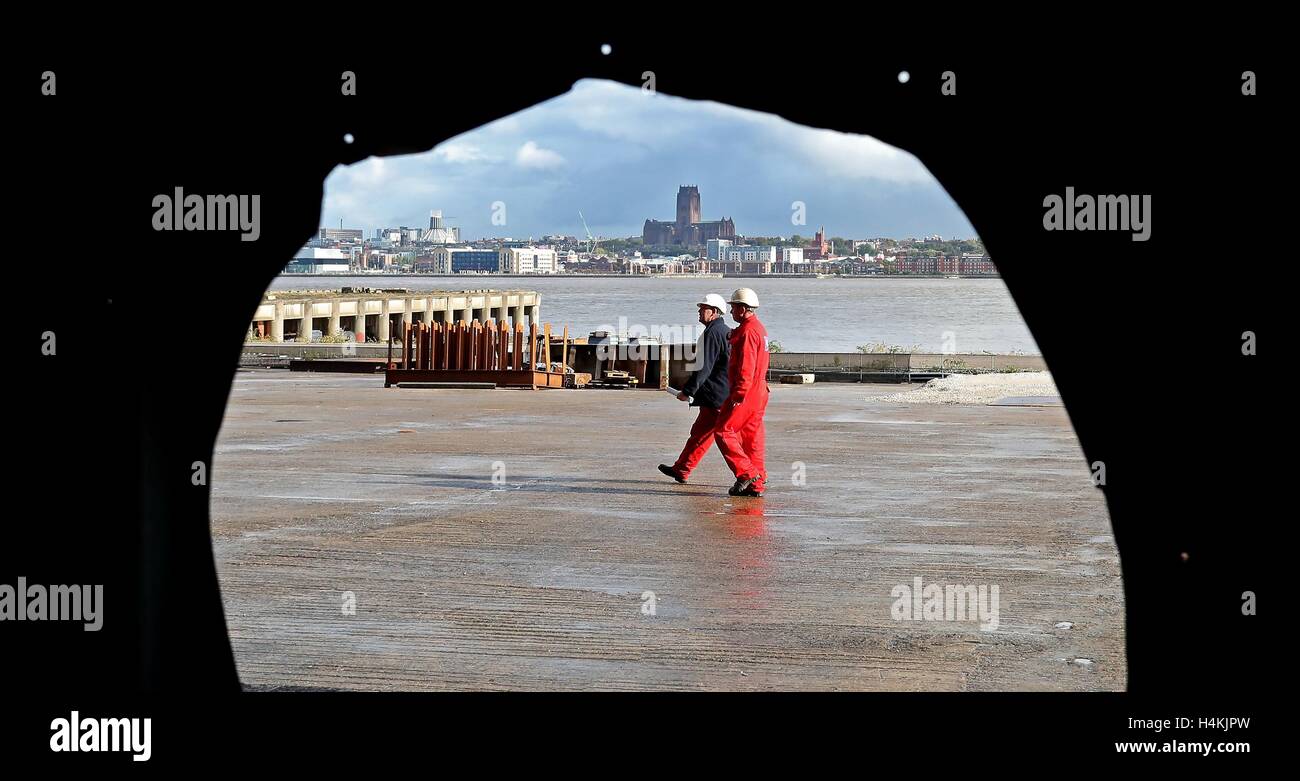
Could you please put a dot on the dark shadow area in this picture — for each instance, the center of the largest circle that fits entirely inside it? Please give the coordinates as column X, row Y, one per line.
column 168, row 633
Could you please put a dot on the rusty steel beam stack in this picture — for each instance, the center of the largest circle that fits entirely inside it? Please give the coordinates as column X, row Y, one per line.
column 476, row 352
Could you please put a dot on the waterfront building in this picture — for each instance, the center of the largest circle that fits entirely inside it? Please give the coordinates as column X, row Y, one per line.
column 527, row 260
column 318, row 260
column 975, row 263
column 474, row 261
column 917, row 264
column 459, row 260
column 746, row 259
column 820, row 249
column 336, row 235
column 716, row 247
column 946, row 265
column 790, row 260
column 745, row 253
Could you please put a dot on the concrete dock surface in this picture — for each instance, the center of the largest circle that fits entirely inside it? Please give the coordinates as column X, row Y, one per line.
column 523, row 540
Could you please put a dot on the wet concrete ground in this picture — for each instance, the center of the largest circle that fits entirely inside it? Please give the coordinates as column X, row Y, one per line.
column 327, row 484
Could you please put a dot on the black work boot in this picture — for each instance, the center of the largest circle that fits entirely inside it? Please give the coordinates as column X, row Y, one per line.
column 673, row 473
column 740, row 486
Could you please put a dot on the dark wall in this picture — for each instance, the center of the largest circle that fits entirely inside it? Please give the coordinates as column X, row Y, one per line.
column 107, row 435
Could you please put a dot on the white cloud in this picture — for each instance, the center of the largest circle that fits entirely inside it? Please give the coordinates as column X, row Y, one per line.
column 506, row 125
column 382, row 191
column 371, row 172
column 530, row 155
column 461, row 153
column 623, row 113
column 857, row 157
column 660, row 121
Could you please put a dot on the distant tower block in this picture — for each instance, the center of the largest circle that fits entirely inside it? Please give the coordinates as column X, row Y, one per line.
column 687, row 229
column 688, row 206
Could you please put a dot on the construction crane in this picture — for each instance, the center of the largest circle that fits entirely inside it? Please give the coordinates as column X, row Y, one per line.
column 593, row 244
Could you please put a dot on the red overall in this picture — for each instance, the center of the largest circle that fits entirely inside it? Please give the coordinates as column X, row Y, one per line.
column 739, row 429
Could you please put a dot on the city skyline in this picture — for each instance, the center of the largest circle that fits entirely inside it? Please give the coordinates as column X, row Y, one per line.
column 617, row 154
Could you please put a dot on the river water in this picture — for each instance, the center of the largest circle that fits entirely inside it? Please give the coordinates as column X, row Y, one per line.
column 804, row 315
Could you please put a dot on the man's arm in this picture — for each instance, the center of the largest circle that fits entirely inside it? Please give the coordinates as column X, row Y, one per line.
column 710, row 346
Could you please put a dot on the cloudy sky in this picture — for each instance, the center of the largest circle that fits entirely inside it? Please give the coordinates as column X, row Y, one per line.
column 618, row 154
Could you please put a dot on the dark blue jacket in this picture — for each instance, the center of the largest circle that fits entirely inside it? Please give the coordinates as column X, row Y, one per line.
column 708, row 386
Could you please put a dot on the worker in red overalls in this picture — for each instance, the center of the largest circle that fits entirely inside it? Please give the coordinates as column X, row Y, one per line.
column 739, row 432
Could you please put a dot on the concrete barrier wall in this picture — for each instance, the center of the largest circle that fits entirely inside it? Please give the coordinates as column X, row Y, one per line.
column 855, row 361
column 906, row 361
column 978, row 362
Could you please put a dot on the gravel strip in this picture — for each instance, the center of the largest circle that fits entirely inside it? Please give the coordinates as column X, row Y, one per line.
column 979, row 388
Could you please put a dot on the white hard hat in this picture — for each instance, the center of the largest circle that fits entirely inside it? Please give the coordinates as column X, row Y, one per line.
column 714, row 300
column 745, row 296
